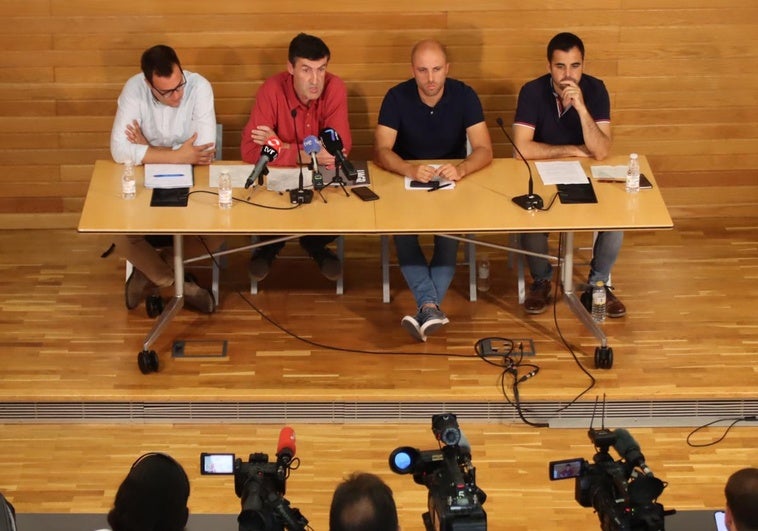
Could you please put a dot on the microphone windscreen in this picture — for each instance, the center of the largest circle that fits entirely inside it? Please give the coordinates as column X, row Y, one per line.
column 311, row 145
column 286, row 443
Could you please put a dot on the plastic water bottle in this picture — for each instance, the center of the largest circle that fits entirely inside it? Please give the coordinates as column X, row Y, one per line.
column 225, row 190
column 483, row 275
column 128, row 185
column 633, row 174
column 598, row 302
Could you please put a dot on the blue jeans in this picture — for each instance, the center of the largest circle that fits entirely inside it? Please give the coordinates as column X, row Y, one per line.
column 428, row 281
column 604, row 253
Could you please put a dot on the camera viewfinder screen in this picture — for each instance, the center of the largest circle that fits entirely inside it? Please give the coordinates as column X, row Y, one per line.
column 217, row 463
column 565, row 469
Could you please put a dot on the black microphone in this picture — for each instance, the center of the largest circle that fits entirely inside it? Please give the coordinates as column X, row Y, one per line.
column 269, row 152
column 629, row 449
column 333, row 144
column 531, row 200
column 301, row 195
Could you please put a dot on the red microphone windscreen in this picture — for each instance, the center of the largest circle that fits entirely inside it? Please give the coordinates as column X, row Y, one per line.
column 286, row 442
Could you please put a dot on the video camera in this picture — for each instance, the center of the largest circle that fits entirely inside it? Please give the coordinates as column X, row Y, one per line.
column 622, row 492
column 454, row 500
column 261, row 485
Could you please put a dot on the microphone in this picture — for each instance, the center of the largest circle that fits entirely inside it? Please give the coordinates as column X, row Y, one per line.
column 531, row 200
column 285, row 449
column 301, row 195
column 333, row 144
column 629, row 449
column 269, row 152
column 311, row 145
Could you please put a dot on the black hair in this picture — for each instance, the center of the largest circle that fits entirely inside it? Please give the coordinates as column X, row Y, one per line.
column 564, row 42
column 152, row 497
column 742, row 498
column 363, row 502
column 159, row 60
column 307, row 47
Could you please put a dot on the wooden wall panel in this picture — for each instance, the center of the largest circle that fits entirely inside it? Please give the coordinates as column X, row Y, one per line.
column 680, row 76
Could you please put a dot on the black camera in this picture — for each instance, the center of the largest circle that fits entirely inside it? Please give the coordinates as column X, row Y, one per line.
column 623, row 492
column 454, row 500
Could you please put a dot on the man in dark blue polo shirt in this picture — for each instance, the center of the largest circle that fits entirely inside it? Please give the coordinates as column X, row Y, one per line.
column 566, row 113
column 430, row 117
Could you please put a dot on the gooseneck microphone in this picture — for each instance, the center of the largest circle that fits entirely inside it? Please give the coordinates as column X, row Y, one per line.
column 531, row 200
column 333, row 144
column 269, row 152
column 311, row 145
column 301, row 195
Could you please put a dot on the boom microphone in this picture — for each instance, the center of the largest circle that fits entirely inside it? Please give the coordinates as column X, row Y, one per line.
column 629, row 449
column 333, row 144
column 269, row 152
column 285, row 449
column 531, row 200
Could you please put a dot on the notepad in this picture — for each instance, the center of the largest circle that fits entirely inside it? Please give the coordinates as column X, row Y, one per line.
column 168, row 176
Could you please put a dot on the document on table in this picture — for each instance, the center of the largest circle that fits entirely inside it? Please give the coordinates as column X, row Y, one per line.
column 609, row 173
column 561, row 172
column 238, row 172
column 168, row 175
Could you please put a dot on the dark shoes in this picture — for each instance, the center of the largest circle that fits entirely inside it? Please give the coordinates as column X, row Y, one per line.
column 260, row 263
column 613, row 306
column 134, row 289
column 538, row 297
column 426, row 321
column 328, row 263
column 198, row 298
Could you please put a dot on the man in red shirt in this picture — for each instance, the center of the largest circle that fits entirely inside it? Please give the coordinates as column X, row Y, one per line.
column 304, row 100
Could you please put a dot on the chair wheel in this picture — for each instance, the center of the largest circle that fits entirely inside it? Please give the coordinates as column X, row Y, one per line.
column 147, row 361
column 154, row 306
column 603, row 357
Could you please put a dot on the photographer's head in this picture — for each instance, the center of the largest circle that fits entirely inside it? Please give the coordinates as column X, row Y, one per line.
column 152, row 497
column 363, row 502
column 742, row 500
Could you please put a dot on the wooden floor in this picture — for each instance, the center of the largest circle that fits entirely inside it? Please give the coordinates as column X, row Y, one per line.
column 691, row 334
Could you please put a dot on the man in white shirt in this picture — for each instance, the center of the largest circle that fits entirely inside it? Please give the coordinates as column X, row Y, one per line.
column 165, row 116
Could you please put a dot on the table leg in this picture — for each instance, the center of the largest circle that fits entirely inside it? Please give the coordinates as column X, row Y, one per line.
column 177, row 301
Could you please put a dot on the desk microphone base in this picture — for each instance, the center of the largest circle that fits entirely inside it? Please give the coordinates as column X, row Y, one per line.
column 301, row 196
column 528, row 201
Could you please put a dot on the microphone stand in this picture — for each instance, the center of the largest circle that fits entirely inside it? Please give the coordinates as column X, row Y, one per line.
column 530, row 201
column 337, row 179
column 301, row 195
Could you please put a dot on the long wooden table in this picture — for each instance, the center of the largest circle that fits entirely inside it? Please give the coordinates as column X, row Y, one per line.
column 479, row 204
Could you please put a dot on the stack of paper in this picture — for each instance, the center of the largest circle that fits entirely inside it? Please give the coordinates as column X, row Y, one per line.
column 168, row 175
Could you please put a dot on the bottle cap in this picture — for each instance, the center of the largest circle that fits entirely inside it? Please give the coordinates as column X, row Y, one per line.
column 633, row 155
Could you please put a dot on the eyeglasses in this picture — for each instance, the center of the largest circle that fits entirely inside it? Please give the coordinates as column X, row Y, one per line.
column 170, row 92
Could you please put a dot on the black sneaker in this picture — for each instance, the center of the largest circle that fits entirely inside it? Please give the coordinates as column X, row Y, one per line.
column 430, row 319
column 410, row 325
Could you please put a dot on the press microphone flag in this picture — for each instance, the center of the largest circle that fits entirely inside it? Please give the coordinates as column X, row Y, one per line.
column 269, row 152
column 311, row 145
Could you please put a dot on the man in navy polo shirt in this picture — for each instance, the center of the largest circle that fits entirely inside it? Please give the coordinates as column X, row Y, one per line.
column 566, row 113
column 430, row 117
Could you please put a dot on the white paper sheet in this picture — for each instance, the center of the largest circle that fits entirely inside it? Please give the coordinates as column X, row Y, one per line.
column 168, row 175
column 609, row 173
column 561, row 172
column 238, row 172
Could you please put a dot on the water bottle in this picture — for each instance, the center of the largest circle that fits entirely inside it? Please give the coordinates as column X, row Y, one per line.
column 633, row 174
column 225, row 190
column 128, row 186
column 598, row 301
column 483, row 275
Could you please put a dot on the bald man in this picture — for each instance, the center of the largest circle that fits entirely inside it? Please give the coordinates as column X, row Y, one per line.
column 430, row 117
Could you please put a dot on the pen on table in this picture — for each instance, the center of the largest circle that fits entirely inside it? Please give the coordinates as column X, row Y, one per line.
column 608, row 181
column 432, row 189
column 168, row 175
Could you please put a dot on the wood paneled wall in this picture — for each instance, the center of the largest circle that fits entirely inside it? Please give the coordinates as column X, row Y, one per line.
column 680, row 74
